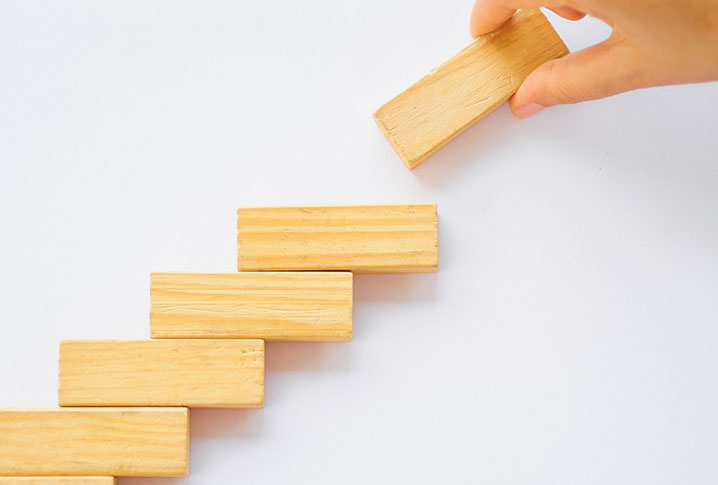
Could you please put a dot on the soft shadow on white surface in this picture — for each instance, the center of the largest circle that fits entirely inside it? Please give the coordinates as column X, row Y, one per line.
column 377, row 294
column 226, row 423
column 305, row 357
column 477, row 143
column 393, row 288
column 153, row 481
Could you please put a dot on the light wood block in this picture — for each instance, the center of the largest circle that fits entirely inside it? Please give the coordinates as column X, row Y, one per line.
column 95, row 441
column 296, row 307
column 58, row 481
column 362, row 239
column 469, row 86
column 193, row 373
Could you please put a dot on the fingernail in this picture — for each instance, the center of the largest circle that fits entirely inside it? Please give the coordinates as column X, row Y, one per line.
column 528, row 110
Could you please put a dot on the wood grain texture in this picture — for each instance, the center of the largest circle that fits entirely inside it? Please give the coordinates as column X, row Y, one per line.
column 289, row 307
column 192, row 373
column 362, row 239
column 469, row 86
column 95, row 441
column 58, row 481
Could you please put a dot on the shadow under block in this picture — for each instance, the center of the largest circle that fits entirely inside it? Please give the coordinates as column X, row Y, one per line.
column 289, row 307
column 58, row 481
column 469, row 86
column 151, row 442
column 362, row 239
column 192, row 373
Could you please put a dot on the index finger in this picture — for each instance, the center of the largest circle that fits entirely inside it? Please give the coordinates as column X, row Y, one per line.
column 489, row 15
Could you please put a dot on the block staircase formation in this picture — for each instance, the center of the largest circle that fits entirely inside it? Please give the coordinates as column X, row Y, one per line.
column 124, row 405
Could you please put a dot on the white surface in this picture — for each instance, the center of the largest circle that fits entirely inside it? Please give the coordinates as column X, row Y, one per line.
column 569, row 337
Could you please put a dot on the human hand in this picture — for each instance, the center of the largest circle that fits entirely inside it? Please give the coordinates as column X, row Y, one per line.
column 654, row 43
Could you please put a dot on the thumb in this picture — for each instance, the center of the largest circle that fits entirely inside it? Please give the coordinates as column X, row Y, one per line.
column 603, row 70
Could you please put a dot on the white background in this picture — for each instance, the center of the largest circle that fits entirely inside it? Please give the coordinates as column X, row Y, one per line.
column 569, row 336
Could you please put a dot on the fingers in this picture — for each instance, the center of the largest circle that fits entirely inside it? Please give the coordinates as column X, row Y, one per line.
column 569, row 13
column 603, row 70
column 489, row 15
column 600, row 71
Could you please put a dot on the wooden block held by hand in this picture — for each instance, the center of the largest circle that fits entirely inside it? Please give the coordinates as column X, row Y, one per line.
column 58, row 481
column 288, row 307
column 362, row 239
column 130, row 442
column 469, row 86
column 192, row 373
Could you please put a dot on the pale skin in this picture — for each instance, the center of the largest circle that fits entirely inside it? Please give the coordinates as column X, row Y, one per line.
column 654, row 43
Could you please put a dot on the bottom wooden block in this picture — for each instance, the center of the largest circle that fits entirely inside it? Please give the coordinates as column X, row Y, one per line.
column 124, row 442
column 58, row 481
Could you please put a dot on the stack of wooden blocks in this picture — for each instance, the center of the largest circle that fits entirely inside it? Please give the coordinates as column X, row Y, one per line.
column 125, row 404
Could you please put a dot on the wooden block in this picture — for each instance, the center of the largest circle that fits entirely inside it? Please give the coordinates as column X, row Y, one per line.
column 95, row 441
column 469, row 86
column 58, row 481
column 193, row 373
column 362, row 239
column 298, row 307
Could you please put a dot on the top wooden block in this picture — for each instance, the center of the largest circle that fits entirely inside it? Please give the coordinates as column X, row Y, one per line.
column 362, row 239
column 469, row 86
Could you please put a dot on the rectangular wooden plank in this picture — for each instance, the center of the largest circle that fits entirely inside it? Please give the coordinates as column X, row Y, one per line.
column 95, row 441
column 58, row 481
column 285, row 306
column 469, row 86
column 192, row 373
column 362, row 239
